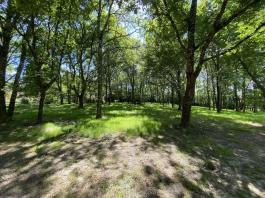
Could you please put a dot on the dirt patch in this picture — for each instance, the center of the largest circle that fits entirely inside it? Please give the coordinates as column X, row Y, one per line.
column 114, row 166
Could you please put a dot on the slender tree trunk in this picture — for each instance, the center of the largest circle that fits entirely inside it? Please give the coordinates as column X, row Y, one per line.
column 15, row 87
column 219, row 96
column 179, row 90
column 157, row 94
column 133, row 90
column 172, row 95
column 69, row 89
column 6, row 36
column 141, row 93
column 244, row 95
column 208, row 91
column 218, row 85
column 41, row 105
column 110, row 90
column 163, row 95
column 61, row 96
column 187, row 100
column 3, row 113
column 100, row 80
column 236, row 99
column 106, row 90
column 69, row 98
column 179, row 100
column 213, row 93
column 255, row 96
column 99, row 63
column 81, row 101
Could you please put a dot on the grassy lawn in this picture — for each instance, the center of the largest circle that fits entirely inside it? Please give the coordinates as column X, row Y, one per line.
column 148, row 119
column 139, row 148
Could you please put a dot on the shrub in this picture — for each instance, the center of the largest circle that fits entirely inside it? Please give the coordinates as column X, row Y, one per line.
column 24, row 101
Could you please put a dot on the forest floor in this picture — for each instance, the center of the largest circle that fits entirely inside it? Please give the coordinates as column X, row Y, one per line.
column 134, row 151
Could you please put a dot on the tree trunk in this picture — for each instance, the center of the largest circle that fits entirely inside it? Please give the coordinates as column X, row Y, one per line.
column 61, row 98
column 163, row 95
column 99, row 63
column 219, row 96
column 255, row 99
column 81, row 101
column 60, row 93
column 187, row 100
column 41, row 105
column 236, row 100
column 3, row 114
column 213, row 93
column 244, row 95
column 69, row 89
column 99, row 81
column 172, row 95
column 6, row 36
column 218, row 85
column 110, row 90
column 69, row 98
column 106, row 90
column 179, row 90
column 208, row 91
column 133, row 90
column 15, row 87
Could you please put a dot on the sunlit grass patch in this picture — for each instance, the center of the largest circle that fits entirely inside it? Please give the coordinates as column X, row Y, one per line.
column 132, row 125
column 46, row 131
column 230, row 119
column 43, row 148
column 145, row 119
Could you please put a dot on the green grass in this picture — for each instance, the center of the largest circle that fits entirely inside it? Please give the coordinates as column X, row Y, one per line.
column 148, row 119
column 214, row 138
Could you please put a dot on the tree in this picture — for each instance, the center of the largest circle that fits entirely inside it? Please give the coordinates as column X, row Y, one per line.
column 195, row 30
column 8, row 21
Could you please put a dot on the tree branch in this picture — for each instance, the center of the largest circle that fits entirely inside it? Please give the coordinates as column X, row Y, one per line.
column 239, row 42
column 174, row 25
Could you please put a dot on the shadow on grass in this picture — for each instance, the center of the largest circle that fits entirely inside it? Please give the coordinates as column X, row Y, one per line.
column 232, row 159
column 126, row 118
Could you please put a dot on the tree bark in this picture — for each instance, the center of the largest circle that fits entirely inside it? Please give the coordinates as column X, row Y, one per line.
column 244, row 95
column 99, row 80
column 15, row 87
column 255, row 96
column 61, row 96
column 187, row 100
column 219, row 95
column 110, row 90
column 99, row 63
column 172, row 95
column 213, row 92
column 6, row 37
column 3, row 113
column 208, row 90
column 133, row 90
column 236, row 99
column 81, row 101
column 190, row 73
column 41, row 105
